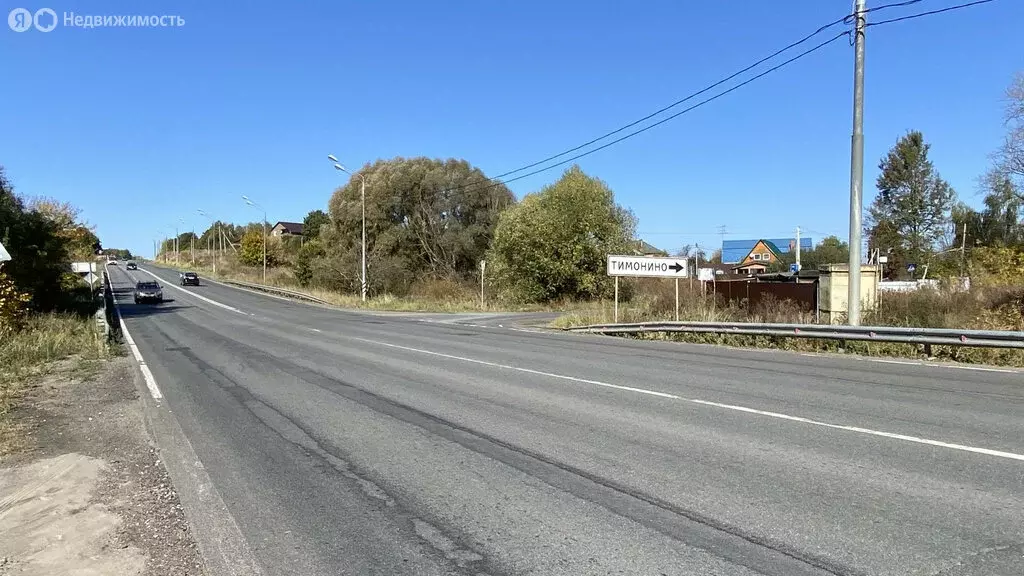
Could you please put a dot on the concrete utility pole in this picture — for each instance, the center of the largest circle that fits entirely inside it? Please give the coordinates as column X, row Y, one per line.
column 857, row 164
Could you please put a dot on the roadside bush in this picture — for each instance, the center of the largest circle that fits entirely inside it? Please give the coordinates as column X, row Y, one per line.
column 13, row 305
column 304, row 260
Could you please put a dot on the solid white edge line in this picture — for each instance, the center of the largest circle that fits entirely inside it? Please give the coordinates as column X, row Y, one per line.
column 147, row 374
column 857, row 429
column 201, row 297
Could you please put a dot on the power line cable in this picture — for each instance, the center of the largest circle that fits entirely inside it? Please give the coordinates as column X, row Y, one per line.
column 929, row 13
column 885, row 6
column 778, row 52
column 676, row 115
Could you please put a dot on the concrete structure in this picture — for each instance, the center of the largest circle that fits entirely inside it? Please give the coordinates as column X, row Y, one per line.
column 833, row 290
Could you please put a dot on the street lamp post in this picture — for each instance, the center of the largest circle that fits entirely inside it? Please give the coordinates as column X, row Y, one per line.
column 255, row 205
column 214, row 246
column 362, row 200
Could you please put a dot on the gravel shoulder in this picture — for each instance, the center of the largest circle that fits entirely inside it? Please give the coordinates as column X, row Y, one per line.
column 89, row 494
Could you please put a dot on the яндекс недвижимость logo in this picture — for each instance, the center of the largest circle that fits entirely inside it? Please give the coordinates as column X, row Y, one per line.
column 45, row 20
column 21, row 19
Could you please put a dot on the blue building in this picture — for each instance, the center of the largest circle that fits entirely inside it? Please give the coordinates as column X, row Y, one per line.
column 734, row 251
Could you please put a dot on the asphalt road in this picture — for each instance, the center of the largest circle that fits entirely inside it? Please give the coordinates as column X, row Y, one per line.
column 359, row 443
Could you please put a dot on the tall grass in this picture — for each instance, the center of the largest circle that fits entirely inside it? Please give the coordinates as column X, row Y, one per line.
column 427, row 295
column 982, row 308
column 29, row 352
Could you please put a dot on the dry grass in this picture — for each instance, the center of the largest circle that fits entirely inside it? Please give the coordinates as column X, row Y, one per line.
column 984, row 309
column 31, row 352
column 433, row 295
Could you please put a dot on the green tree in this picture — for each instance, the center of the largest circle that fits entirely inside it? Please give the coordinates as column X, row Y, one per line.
column 831, row 250
column 308, row 254
column 313, row 222
column 555, row 243
column 911, row 212
column 38, row 244
column 425, row 218
column 251, row 251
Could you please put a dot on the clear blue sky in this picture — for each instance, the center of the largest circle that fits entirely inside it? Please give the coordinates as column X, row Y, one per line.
column 141, row 127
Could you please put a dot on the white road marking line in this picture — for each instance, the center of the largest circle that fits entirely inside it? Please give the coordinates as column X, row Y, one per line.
column 201, row 297
column 316, row 330
column 527, row 370
column 857, row 429
column 953, row 366
column 976, row 368
column 147, row 375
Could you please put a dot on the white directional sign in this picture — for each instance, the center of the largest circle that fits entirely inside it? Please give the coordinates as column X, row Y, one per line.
column 644, row 266
column 706, row 274
column 83, row 267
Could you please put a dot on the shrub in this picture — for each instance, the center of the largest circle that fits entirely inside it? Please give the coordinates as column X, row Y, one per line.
column 13, row 305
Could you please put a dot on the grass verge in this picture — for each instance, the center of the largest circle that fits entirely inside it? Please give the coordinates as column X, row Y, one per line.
column 981, row 309
column 429, row 296
column 32, row 352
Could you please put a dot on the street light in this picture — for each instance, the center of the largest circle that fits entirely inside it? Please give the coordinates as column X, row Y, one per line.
column 214, row 239
column 177, row 243
column 362, row 197
column 255, row 205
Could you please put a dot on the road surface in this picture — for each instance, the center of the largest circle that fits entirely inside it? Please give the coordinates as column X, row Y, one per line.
column 359, row 443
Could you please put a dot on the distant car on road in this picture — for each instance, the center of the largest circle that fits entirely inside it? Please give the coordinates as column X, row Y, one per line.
column 148, row 292
column 131, row 266
column 112, row 262
column 189, row 278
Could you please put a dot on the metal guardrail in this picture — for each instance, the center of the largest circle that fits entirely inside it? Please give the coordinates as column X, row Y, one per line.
column 112, row 324
column 926, row 336
column 276, row 290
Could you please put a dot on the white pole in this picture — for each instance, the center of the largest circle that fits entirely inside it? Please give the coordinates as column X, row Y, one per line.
column 483, row 264
column 677, row 299
column 798, row 249
column 616, row 299
column 362, row 196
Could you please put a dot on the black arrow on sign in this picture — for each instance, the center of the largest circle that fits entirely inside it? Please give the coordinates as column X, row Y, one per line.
column 677, row 267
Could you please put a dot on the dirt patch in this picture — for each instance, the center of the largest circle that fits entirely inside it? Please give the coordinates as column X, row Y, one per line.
column 114, row 507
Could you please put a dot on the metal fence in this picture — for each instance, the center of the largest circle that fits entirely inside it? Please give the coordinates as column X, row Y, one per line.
column 111, row 317
column 276, row 290
column 925, row 336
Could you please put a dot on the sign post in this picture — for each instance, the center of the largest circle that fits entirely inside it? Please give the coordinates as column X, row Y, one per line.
column 646, row 267
column 616, row 300
column 483, row 264
column 677, row 299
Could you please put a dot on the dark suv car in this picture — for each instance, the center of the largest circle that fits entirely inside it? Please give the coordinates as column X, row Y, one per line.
column 189, row 279
column 148, row 292
column 131, row 266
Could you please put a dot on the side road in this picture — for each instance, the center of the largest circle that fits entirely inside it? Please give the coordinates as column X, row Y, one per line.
column 89, row 494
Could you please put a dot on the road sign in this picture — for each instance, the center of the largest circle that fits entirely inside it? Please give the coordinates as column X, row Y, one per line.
column 706, row 274
column 4, row 254
column 83, row 267
column 794, row 268
column 648, row 267
column 883, row 259
column 90, row 278
column 911, row 267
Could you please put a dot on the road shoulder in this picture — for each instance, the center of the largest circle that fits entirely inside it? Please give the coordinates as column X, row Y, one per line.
column 91, row 491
